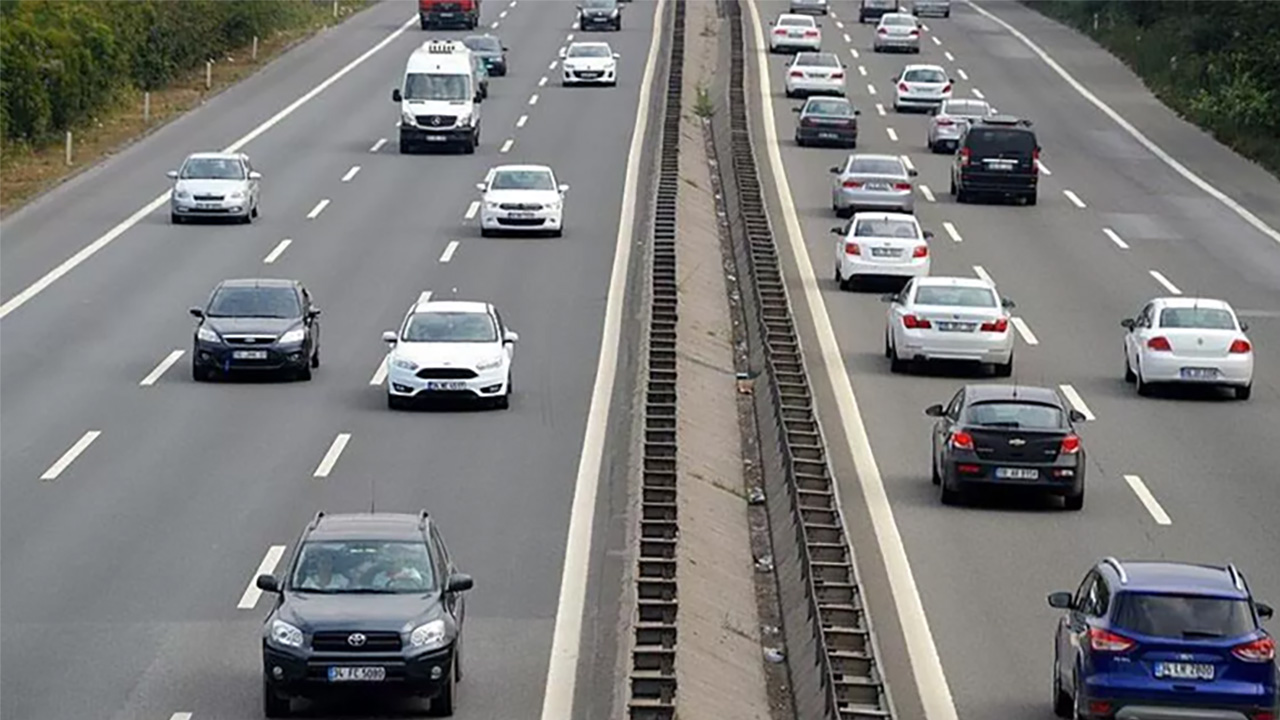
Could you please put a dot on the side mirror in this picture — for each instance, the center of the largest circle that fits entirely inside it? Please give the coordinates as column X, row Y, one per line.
column 313, row 313
column 1076, row 416
column 928, row 234
column 1244, row 327
column 1265, row 611
column 889, row 297
column 172, row 174
column 837, row 231
column 480, row 187
column 255, row 175
column 1060, row 600
column 196, row 312
column 511, row 337
column 835, row 169
column 935, row 411
column 617, row 56
column 564, row 188
column 460, row 582
column 1008, row 304
column 796, row 110
column 857, row 112
column 389, row 336
column 913, row 172
column 396, row 96
column 269, row 583
column 1127, row 323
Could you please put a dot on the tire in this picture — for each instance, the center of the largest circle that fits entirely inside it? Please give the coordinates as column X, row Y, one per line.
column 486, row 232
column 1074, row 502
column 1128, row 371
column 888, row 351
column 953, row 186
column 1243, row 393
column 844, row 212
column 557, row 233
column 949, row 496
column 274, row 706
column 962, row 195
column 504, row 402
column 799, row 141
column 247, row 219
column 1031, row 199
column 934, row 477
column 304, row 373
column 405, row 148
column 469, row 147
column 1142, row 386
column 200, row 374
column 395, row 402
column 315, row 358
column 255, row 211
column 897, row 365
column 423, row 23
column 1061, row 700
column 176, row 219
column 1004, row 370
column 442, row 705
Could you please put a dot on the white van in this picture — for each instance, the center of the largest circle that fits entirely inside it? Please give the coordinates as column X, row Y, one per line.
column 439, row 98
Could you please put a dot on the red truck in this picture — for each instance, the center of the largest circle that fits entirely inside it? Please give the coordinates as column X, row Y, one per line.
column 447, row 13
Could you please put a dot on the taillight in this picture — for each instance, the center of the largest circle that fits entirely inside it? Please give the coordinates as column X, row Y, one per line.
column 1105, row 641
column 1263, row 715
column 837, row 76
column 961, row 440
column 780, row 31
column 964, row 157
column 1070, row 445
column 796, row 73
column 811, row 33
column 1035, row 154
column 920, row 251
column 1241, row 346
column 851, row 184
column 1261, row 650
column 998, row 326
column 1160, row 344
column 915, row 33
column 902, row 186
column 946, row 121
column 911, row 322
column 946, row 88
column 852, row 249
column 904, row 87
column 808, row 122
column 882, row 31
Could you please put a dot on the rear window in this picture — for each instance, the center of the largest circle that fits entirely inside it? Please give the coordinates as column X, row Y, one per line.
column 899, row 20
column 1199, row 318
column 829, row 107
column 886, row 227
column 876, row 166
column 925, row 75
column 956, row 297
column 796, row 22
column 995, row 140
column 973, row 108
column 817, row 60
column 1183, row 616
column 1015, row 415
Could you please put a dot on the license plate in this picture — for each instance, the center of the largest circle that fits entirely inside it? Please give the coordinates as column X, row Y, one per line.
column 955, row 326
column 828, row 135
column 446, row 385
column 589, row 75
column 795, row 34
column 208, row 205
column 1018, row 473
column 877, row 186
column 357, row 674
column 1193, row 373
column 521, row 215
column 436, row 138
column 1185, row 671
column 883, row 252
column 249, row 354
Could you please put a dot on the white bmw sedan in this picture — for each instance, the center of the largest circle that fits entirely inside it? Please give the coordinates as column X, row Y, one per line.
column 450, row 348
column 949, row 318
column 521, row 198
column 1188, row 340
column 881, row 245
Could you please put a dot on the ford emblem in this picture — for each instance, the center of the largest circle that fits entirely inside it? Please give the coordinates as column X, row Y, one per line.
column 357, row 639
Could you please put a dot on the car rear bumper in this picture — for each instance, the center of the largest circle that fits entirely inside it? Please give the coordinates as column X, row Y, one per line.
column 815, row 86
column 1000, row 182
column 1134, row 698
column 1167, row 367
column 823, row 134
column 809, row 9
column 790, row 43
column 1063, row 477
column 854, row 265
column 436, row 17
column 873, row 13
column 290, row 675
column 896, row 43
column 977, row 346
column 936, row 8
column 876, row 200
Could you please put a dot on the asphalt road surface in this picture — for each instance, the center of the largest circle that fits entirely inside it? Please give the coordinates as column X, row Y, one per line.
column 1205, row 464
column 127, row 569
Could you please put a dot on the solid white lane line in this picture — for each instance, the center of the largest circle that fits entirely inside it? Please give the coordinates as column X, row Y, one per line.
column 1113, row 237
column 893, row 135
column 847, row 38
column 982, row 274
column 552, row 66
column 906, row 160
column 935, row 40
column 92, row 248
column 506, row 146
column 543, row 81
column 1148, row 500
column 1075, row 199
column 449, row 250
column 1128, row 127
column 277, row 251
column 378, row 145
column 424, row 296
column 978, row 94
column 523, row 119
column 1160, row 278
column 268, row 566
column 319, row 208
column 871, row 89
column 160, row 369
column 880, row 109
column 1043, row 168
column 70, row 455
column 380, row 374
column 1077, row 402
column 949, row 56
column 534, row 99
column 566, row 641
column 928, row 194
column 854, row 53
column 331, row 457
column 926, row 666
column 951, row 230
column 472, row 209
column 1024, row 330
column 351, row 173
column 963, row 75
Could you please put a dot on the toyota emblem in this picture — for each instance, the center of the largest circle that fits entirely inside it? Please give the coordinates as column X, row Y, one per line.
column 357, row 639
column 1017, row 441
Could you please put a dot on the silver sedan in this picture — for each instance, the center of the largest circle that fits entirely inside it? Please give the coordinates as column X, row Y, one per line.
column 897, row 31
column 872, row 182
column 809, row 6
column 951, row 119
column 215, row 185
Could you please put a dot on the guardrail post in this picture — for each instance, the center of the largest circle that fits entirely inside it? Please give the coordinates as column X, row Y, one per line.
column 146, row 107
column 208, row 74
column 255, row 48
column 68, row 147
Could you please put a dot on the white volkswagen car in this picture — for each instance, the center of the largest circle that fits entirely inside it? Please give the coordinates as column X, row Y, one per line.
column 450, row 348
column 813, row 73
column 921, row 87
column 1188, row 340
column 589, row 63
column 795, row 32
column 521, row 198
column 881, row 245
column 949, row 318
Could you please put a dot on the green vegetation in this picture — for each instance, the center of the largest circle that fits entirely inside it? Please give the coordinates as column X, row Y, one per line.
column 1217, row 64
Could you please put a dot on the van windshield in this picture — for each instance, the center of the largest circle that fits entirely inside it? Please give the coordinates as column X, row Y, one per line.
column 421, row 86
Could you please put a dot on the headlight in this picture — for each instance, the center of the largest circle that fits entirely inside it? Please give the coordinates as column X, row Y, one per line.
column 407, row 118
column 464, row 120
column 555, row 206
column 237, row 195
column 490, row 205
column 207, row 335
column 293, row 336
column 490, row 364
column 183, row 195
column 282, row 633
column 405, row 364
column 429, row 635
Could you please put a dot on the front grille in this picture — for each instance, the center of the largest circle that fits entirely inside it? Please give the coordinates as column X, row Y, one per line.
column 520, row 206
column 435, row 121
column 208, row 198
column 587, row 74
column 446, row 373
column 521, row 222
column 249, row 339
column 331, row 641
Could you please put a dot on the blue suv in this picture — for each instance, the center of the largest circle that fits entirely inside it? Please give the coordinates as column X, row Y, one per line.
column 1156, row 640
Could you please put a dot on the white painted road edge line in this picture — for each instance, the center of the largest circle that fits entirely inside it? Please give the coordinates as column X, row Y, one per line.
column 277, row 251
column 951, row 230
column 963, row 75
column 472, row 209
column 160, row 369
column 1160, row 278
column 566, row 641
column 506, row 146
column 1024, row 330
column 1128, row 127
column 1077, row 402
column 378, row 145
column 1113, row 237
column 523, row 119
column 70, row 455
column 351, row 173
column 319, row 208
column 331, row 457
column 449, row 250
column 92, row 248
column 926, row 666
column 1148, row 500
column 893, row 135
column 928, row 194
column 1075, row 199
column 268, row 566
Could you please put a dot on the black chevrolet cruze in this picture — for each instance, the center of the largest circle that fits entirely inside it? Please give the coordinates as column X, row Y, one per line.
column 371, row 604
column 256, row 325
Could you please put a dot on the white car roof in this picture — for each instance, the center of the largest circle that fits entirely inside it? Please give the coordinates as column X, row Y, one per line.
column 880, row 215
column 874, row 156
column 214, row 155
column 475, row 306
column 447, row 57
column 793, row 16
column 519, row 168
column 831, row 55
column 1186, row 302
column 943, row 281
column 897, row 15
column 589, row 43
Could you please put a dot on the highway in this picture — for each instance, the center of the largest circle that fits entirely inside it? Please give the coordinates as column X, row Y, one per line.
column 1187, row 476
column 138, row 506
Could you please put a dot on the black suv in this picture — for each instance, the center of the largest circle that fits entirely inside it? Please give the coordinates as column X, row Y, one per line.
column 997, row 156
column 371, row 603
column 263, row 325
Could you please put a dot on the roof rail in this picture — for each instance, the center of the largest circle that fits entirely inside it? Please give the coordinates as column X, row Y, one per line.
column 423, row 516
column 1124, row 577
column 1236, row 577
column 315, row 522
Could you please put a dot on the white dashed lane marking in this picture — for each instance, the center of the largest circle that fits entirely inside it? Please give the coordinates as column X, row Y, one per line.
column 935, row 40
column 949, row 56
column 1025, row 331
column 543, row 81
column 523, row 119
column 1113, row 237
column 1160, row 278
column 277, row 251
column 378, row 145
column 1075, row 199
column 449, row 250
column 70, row 455
column 351, row 173
column 472, row 209
column 1043, row 168
column 951, row 230
column 847, row 38
column 963, row 75
column 506, row 146
column 268, row 566
column 862, row 70
column 160, row 369
column 978, row 94
column 928, row 194
column 893, row 135
column 534, row 99
column 319, row 208
column 871, row 89
column 1077, row 402
column 906, row 160
column 880, row 109
column 1148, row 500
column 331, row 457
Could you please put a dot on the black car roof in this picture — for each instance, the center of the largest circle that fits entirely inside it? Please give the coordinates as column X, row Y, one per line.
column 1031, row 393
column 368, row 526
column 258, row 282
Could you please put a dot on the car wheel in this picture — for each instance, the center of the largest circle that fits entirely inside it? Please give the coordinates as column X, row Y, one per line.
column 1005, row 370
column 1075, row 501
column 888, row 350
column 558, row 232
column 1128, row 370
column 1061, row 700
column 1143, row 387
column 200, row 374
column 442, row 705
column 953, row 186
column 486, row 232
column 274, row 706
column 1243, row 393
column 469, row 147
column 404, row 148
column 845, row 212
column 315, row 358
column 1077, row 701
column 395, row 402
column 255, row 211
column 962, row 196
column 424, row 24
column 897, row 365
column 175, row 218
column 949, row 496
column 799, row 141
column 304, row 373
column 1030, row 199
column 934, row 477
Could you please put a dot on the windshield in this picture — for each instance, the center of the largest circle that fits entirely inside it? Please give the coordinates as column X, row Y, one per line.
column 925, row 75
column 1018, row 415
column 256, row 302
column 460, row 327
column 212, row 169
column 876, row 166
column 422, row 86
column 996, row 140
column 364, row 566
column 483, row 43
column 956, row 297
column 899, row 20
column 968, row 108
column 1183, row 616
column 886, row 227
column 829, row 107
column 795, row 22
column 817, row 60
column 1199, row 318
column 523, row 180
column 598, row 4
column 590, row 51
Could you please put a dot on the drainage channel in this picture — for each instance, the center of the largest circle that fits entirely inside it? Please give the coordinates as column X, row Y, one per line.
column 831, row 650
column 653, row 650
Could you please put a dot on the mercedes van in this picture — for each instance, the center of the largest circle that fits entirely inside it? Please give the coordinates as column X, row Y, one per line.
column 439, row 98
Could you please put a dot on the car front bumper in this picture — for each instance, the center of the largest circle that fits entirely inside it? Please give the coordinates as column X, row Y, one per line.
column 414, row 135
column 530, row 220
column 860, row 199
column 1167, row 368
column 307, row 675
column 976, row 346
column 210, row 209
column 815, row 86
column 406, row 384
column 231, row 358
column 589, row 77
column 589, row 22
column 857, row 265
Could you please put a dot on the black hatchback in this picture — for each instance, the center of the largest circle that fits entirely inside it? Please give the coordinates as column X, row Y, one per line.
column 596, row 14
column 826, row 120
column 256, row 325
column 997, row 156
column 1008, row 436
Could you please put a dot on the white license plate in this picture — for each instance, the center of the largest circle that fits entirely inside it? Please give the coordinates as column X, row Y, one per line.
column 357, row 674
column 882, row 187
column 1184, row 671
column 249, row 354
column 446, row 385
column 828, row 135
column 795, row 34
column 1018, row 473
column 956, row 326
column 208, row 205
column 521, row 215
column 436, row 138
column 883, row 252
column 1193, row 373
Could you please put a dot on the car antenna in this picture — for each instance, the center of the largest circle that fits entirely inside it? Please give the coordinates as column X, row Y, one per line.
column 373, row 494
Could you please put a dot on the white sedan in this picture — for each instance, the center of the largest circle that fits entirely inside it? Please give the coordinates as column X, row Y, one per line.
column 1188, row 340
column 813, row 73
column 881, row 245
column 589, row 63
column 521, row 198
column 921, row 87
column 949, row 318
column 795, row 32
column 450, row 348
